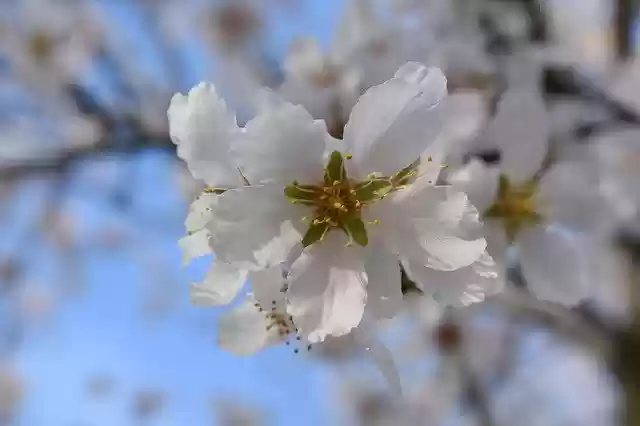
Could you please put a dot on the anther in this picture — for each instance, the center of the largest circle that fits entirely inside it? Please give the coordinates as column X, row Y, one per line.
column 348, row 156
column 429, row 158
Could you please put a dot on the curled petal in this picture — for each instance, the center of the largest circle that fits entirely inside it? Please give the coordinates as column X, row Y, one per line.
column 220, row 286
column 203, row 129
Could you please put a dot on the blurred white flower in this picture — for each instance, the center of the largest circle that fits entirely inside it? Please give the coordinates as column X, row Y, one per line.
column 559, row 385
column 616, row 156
column 357, row 216
column 581, row 33
column 536, row 210
column 365, row 52
column 55, row 42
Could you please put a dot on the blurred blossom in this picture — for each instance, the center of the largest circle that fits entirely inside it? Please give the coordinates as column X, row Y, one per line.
column 234, row 23
column 580, row 32
column 578, row 379
column 231, row 413
column 147, row 404
column 11, row 393
column 37, row 305
column 100, row 386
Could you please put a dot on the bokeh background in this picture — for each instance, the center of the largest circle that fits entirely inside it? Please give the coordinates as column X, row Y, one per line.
column 95, row 322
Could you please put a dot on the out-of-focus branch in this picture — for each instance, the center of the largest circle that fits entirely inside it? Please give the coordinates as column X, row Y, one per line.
column 123, row 134
column 627, row 345
column 626, row 12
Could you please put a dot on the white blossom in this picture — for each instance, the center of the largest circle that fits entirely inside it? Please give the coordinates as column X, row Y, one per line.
column 359, row 211
column 540, row 210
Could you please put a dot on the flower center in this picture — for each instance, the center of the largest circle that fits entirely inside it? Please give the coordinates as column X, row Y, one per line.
column 338, row 201
column 515, row 206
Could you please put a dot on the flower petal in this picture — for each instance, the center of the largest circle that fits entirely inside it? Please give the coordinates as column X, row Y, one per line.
column 282, row 144
column 242, row 331
column 381, row 356
column 394, row 123
column 554, row 265
column 327, row 289
column 430, row 225
column 478, row 181
column 254, row 226
column 220, row 286
column 567, row 195
column 461, row 287
column 200, row 212
column 203, row 128
column 267, row 287
column 195, row 245
column 384, row 295
column 521, row 130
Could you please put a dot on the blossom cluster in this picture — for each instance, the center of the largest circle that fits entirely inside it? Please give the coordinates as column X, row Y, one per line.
column 353, row 185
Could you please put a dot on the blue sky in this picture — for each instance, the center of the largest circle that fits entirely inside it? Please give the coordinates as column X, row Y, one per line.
column 104, row 331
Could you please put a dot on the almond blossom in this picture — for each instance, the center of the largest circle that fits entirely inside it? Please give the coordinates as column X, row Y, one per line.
column 356, row 207
column 543, row 209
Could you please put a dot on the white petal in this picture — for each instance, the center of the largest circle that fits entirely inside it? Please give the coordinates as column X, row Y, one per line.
column 429, row 225
column 282, row 144
column 242, row 331
column 195, row 245
column 254, row 226
column 461, row 287
column 384, row 295
column 327, row 292
column 394, row 123
column 267, row 287
column 478, row 181
column 381, row 356
column 568, row 194
column 200, row 212
column 521, row 130
column 203, row 128
column 554, row 265
column 220, row 286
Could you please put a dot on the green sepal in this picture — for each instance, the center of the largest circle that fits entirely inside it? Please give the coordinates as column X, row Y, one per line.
column 335, row 170
column 503, row 185
column 304, row 194
column 372, row 190
column 493, row 211
column 216, row 191
column 315, row 233
column 355, row 229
